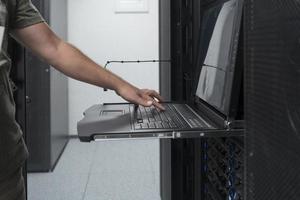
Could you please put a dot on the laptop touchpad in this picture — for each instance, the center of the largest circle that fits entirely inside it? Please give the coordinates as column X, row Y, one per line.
column 112, row 113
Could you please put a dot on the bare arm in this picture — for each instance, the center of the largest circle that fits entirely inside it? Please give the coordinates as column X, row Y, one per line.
column 69, row 60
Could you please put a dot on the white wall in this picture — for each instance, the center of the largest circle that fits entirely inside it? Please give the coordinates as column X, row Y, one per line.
column 103, row 35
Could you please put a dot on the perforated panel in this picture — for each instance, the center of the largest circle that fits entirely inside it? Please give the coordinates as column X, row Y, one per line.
column 223, row 167
column 273, row 99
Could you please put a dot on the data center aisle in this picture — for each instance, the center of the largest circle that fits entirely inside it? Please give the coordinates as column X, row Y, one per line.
column 119, row 170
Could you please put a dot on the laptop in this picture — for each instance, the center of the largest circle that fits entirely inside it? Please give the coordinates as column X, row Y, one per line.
column 212, row 111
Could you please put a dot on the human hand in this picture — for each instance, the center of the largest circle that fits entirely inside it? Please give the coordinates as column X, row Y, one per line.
column 142, row 97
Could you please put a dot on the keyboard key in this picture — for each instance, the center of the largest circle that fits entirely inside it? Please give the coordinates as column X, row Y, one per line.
column 169, row 118
column 152, row 125
column 163, row 117
column 139, row 116
column 156, row 115
column 166, row 125
column 151, row 119
column 192, row 123
column 158, row 125
column 145, row 117
column 137, row 126
column 198, row 123
column 173, row 125
column 145, row 126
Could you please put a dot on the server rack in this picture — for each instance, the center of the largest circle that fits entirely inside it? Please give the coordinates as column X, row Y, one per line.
column 41, row 98
column 215, row 168
column 223, row 168
column 197, row 169
column 272, row 100
column 47, row 98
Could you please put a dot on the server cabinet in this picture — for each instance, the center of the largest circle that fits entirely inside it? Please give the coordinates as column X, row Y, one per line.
column 197, row 169
column 273, row 99
column 165, row 48
column 47, row 98
column 222, row 169
column 165, row 91
column 42, row 96
column 185, row 24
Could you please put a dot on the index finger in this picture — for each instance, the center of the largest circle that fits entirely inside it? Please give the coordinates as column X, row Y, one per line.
column 156, row 95
column 158, row 105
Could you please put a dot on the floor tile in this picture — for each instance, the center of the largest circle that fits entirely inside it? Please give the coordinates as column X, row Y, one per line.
column 118, row 170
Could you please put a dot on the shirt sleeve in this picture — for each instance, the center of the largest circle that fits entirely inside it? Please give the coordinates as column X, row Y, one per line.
column 25, row 14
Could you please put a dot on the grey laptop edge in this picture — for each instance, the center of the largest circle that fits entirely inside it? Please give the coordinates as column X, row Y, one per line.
column 213, row 109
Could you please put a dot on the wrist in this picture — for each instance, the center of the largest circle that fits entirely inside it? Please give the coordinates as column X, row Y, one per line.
column 123, row 87
column 119, row 87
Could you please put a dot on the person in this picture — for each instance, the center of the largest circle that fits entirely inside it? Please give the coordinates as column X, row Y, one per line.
column 21, row 20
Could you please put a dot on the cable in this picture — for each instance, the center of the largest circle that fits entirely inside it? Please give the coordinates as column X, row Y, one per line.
column 133, row 61
column 136, row 61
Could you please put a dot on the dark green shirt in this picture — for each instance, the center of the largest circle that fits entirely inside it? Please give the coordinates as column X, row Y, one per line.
column 14, row 14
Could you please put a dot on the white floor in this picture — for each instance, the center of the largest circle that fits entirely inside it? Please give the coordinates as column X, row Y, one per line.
column 118, row 170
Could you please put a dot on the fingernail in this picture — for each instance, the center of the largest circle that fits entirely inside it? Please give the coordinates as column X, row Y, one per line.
column 149, row 103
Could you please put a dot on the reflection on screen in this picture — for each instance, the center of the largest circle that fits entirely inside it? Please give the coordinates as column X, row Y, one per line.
column 219, row 30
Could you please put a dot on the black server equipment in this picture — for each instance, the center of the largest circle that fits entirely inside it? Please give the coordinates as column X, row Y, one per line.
column 223, row 168
column 272, row 103
column 198, row 169
column 165, row 48
column 42, row 96
column 179, row 24
column 185, row 24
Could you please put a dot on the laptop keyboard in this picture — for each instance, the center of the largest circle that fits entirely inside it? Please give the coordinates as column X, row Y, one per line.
column 151, row 118
column 192, row 119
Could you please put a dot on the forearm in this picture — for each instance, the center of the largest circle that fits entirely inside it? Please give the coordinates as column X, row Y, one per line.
column 65, row 57
column 72, row 62
column 40, row 39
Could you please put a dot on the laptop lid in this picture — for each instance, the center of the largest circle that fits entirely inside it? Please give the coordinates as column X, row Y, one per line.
column 218, row 44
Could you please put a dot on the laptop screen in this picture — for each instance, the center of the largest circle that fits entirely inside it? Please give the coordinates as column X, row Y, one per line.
column 218, row 43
